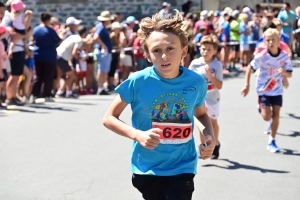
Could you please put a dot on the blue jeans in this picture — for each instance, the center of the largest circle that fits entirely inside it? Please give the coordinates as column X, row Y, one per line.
column 104, row 60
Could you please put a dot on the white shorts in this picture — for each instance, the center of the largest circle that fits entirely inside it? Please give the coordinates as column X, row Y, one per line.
column 213, row 111
column 8, row 67
column 244, row 47
column 125, row 60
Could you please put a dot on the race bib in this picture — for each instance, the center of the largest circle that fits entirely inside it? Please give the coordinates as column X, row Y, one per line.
column 210, row 87
column 174, row 133
column 270, row 85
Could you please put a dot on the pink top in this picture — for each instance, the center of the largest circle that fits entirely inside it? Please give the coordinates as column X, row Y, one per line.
column 2, row 55
column 283, row 46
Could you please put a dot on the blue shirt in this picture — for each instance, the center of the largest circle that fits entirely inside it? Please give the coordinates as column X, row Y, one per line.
column 243, row 36
column 287, row 17
column 226, row 32
column 153, row 98
column 45, row 43
column 29, row 62
column 104, row 36
column 197, row 39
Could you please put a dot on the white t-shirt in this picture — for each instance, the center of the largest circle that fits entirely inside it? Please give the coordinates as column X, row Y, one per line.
column 269, row 81
column 82, row 62
column 18, row 22
column 65, row 49
column 198, row 66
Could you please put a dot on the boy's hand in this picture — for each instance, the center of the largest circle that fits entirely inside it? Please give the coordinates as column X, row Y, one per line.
column 207, row 69
column 206, row 151
column 245, row 91
column 281, row 71
column 149, row 139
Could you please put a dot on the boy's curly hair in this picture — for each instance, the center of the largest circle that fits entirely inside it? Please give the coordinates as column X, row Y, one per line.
column 170, row 24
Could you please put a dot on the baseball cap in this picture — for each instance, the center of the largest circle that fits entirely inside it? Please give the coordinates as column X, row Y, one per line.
column 131, row 19
column 247, row 10
column 72, row 21
column 235, row 13
column 2, row 29
column 166, row 4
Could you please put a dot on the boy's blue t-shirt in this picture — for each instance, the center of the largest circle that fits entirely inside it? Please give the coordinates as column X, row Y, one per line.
column 243, row 36
column 197, row 39
column 104, row 35
column 45, row 43
column 156, row 100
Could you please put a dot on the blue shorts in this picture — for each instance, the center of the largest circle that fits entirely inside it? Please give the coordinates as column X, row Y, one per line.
column 103, row 60
column 265, row 101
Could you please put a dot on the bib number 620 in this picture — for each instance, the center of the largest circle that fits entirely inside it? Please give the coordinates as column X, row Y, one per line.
column 176, row 132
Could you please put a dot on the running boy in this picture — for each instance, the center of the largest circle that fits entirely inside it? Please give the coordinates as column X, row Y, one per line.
column 273, row 64
column 211, row 69
column 164, row 99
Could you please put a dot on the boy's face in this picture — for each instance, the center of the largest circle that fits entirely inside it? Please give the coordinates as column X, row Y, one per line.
column 272, row 42
column 165, row 52
column 207, row 51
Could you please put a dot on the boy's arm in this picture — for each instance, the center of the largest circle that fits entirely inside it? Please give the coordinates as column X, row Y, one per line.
column 148, row 139
column 213, row 79
column 207, row 149
column 245, row 90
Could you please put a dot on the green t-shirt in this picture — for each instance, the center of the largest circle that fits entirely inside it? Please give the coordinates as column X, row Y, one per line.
column 234, row 30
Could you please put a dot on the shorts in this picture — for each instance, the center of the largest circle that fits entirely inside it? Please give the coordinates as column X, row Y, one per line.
column 244, row 47
column 20, row 31
column 165, row 187
column 126, row 60
column 5, row 76
column 90, row 60
column 81, row 74
column 235, row 47
column 63, row 65
column 265, row 101
column 213, row 111
column 17, row 63
column 104, row 60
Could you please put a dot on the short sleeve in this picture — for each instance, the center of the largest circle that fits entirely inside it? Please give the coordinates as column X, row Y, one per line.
column 288, row 64
column 202, row 91
column 197, row 37
column 219, row 72
column 242, row 28
column 126, row 90
column 255, row 63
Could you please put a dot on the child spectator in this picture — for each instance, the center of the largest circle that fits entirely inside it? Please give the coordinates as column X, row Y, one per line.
column 244, row 44
column 81, row 68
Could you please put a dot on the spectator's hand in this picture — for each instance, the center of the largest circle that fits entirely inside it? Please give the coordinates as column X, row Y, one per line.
column 105, row 48
column 149, row 139
column 207, row 150
column 245, row 91
column 28, row 12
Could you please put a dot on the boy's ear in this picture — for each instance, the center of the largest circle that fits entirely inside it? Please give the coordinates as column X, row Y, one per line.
column 147, row 56
column 184, row 51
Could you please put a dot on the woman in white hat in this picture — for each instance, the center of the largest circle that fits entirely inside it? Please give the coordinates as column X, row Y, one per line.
column 103, row 48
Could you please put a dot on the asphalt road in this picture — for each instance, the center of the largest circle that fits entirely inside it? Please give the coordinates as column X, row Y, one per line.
column 61, row 150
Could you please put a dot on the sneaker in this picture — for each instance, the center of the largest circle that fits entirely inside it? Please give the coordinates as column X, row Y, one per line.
column 13, row 102
column 272, row 147
column 49, row 99
column 237, row 69
column 216, row 152
column 225, row 71
column 92, row 91
column 59, row 96
column 104, row 92
column 2, row 107
column 83, row 92
column 31, row 99
column 72, row 96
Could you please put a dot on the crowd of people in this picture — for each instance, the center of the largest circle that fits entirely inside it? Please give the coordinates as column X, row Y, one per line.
column 56, row 60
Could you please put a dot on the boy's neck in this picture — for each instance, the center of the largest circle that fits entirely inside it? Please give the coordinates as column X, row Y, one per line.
column 274, row 52
column 208, row 60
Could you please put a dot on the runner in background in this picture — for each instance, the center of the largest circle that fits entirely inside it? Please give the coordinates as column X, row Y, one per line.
column 211, row 69
column 272, row 64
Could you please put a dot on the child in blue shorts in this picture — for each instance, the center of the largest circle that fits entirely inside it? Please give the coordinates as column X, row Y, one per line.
column 164, row 99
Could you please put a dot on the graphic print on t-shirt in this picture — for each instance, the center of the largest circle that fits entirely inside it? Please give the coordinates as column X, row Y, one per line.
column 169, row 112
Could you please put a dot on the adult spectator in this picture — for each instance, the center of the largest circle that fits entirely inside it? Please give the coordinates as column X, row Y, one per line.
column 186, row 7
column 202, row 22
column 17, row 61
column 72, row 24
column 45, row 56
column 65, row 52
column 287, row 17
column 103, row 48
column 163, row 13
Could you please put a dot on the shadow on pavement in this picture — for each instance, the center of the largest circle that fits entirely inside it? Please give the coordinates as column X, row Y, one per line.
column 236, row 165
column 293, row 116
column 294, row 134
column 51, row 108
column 234, row 75
column 75, row 103
column 289, row 152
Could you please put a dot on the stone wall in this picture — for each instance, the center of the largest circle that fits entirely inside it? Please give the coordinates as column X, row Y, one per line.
column 88, row 10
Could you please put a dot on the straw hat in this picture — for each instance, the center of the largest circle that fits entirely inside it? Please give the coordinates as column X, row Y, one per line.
column 105, row 16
